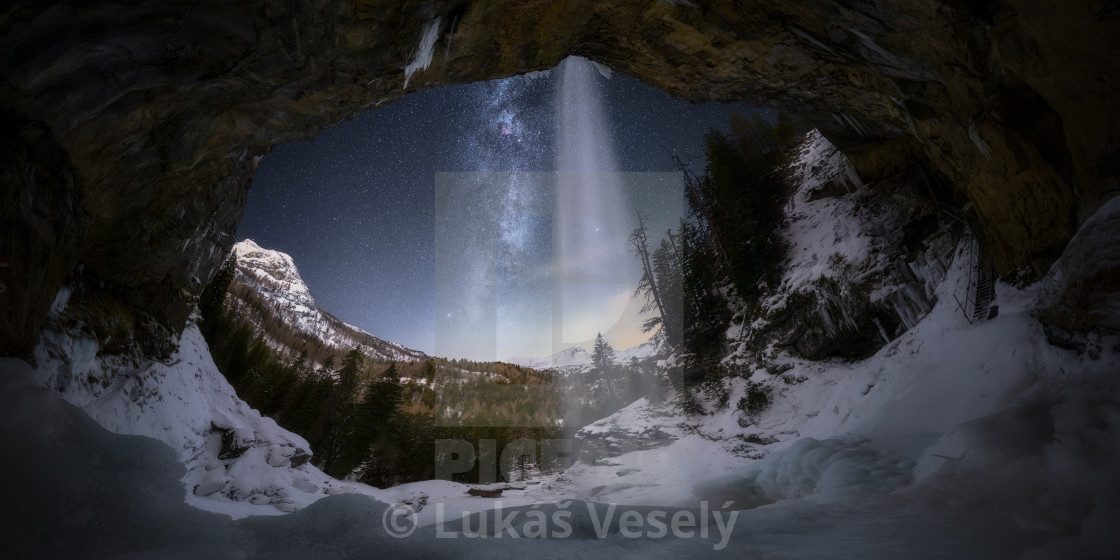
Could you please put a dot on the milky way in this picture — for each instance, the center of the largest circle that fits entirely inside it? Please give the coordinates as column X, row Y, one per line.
column 356, row 207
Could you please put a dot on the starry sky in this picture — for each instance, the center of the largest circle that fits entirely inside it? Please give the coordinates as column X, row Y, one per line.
column 448, row 199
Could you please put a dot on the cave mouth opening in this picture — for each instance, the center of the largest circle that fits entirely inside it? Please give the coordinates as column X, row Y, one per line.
column 437, row 221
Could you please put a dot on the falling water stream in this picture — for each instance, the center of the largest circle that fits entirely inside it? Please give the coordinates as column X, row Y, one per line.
column 591, row 212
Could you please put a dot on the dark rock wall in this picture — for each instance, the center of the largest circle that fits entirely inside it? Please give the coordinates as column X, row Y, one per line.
column 132, row 129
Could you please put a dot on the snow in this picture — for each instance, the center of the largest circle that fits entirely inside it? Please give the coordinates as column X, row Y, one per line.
column 820, row 229
column 956, row 440
column 970, row 435
column 953, row 440
column 574, row 356
column 275, row 266
column 834, row 469
column 1089, row 261
column 274, row 277
column 845, row 240
column 187, row 404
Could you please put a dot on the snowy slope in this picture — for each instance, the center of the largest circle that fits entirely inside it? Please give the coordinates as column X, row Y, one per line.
column 953, row 440
column 273, row 276
column 237, row 461
column 863, row 260
column 978, row 439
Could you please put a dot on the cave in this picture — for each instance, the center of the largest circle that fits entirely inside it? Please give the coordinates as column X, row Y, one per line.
column 133, row 129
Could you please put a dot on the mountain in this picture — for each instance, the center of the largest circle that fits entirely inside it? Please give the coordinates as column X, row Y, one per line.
column 576, row 358
column 591, row 394
column 269, row 290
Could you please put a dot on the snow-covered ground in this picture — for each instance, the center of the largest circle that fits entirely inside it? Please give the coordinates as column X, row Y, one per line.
column 954, row 440
column 238, row 462
column 908, row 413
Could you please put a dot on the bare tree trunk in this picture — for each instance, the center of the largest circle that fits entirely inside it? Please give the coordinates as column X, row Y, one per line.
column 641, row 247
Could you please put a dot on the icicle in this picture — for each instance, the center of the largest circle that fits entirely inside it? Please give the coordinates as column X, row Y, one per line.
column 867, row 42
column 854, row 123
column 898, row 303
column 450, row 32
column 810, row 38
column 852, row 175
column 882, row 332
column 974, row 135
column 826, row 320
column 422, row 57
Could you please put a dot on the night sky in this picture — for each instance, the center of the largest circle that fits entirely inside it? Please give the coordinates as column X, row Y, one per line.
column 356, row 207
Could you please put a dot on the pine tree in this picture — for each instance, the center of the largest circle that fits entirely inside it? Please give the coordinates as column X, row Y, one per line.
column 667, row 270
column 372, row 436
column 337, row 420
column 429, row 371
column 316, row 390
column 602, row 354
column 729, row 245
column 744, row 190
column 348, row 375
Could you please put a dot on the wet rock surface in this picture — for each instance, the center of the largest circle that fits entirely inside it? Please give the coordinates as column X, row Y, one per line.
column 133, row 129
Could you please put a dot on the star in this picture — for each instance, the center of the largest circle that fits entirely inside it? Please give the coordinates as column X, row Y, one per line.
column 356, row 207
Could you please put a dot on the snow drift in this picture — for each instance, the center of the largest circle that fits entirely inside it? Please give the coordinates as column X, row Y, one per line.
column 237, row 462
column 951, row 440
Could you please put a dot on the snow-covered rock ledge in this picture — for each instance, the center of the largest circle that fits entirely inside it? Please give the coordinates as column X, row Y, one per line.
column 238, row 462
column 1081, row 292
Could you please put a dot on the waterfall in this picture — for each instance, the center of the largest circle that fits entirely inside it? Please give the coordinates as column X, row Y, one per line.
column 591, row 213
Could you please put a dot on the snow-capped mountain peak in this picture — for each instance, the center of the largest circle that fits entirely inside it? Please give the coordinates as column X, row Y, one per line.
column 271, row 278
column 273, row 267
